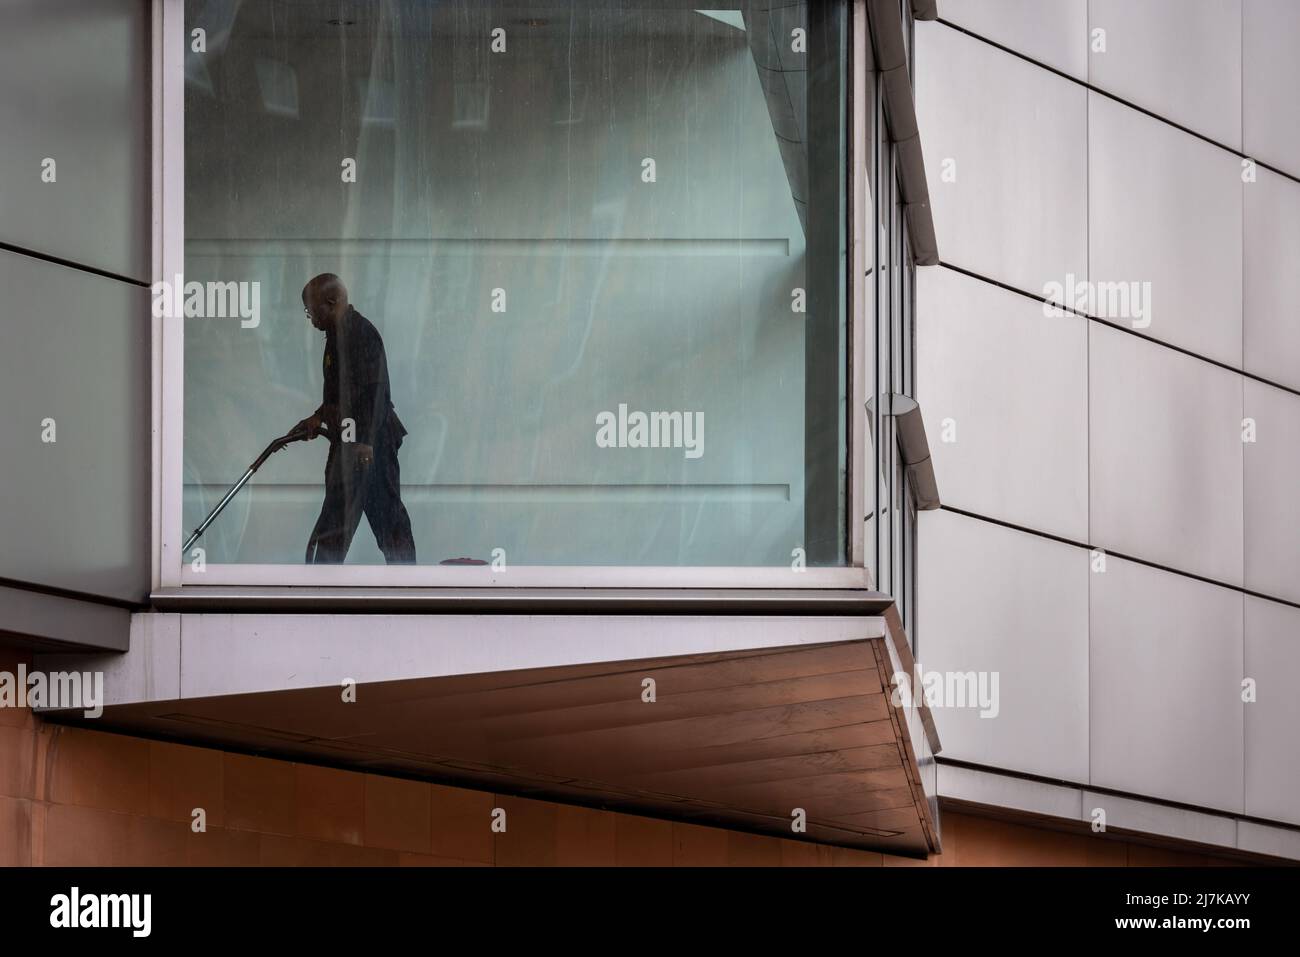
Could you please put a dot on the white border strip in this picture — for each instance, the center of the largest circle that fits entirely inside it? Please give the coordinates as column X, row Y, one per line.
column 526, row 576
column 169, row 349
column 155, row 273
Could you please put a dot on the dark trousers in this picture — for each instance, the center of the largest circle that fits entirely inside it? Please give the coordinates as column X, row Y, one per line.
column 351, row 489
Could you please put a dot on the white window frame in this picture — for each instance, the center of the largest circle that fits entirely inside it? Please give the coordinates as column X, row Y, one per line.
column 171, row 569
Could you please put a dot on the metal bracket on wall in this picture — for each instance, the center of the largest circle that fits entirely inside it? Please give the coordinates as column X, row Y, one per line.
column 914, row 446
column 925, row 9
column 885, row 20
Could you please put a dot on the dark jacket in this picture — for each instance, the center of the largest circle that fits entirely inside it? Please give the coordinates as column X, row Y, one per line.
column 355, row 369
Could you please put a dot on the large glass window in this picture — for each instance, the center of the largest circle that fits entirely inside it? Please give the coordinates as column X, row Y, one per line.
column 591, row 289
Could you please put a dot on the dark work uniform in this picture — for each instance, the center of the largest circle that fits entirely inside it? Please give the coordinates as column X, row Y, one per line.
column 356, row 388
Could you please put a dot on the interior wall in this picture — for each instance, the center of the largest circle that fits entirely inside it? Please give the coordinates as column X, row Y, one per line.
column 672, row 295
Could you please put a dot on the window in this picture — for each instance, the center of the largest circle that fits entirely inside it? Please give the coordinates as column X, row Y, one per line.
column 604, row 246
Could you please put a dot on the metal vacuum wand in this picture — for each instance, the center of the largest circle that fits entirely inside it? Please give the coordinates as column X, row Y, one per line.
column 297, row 435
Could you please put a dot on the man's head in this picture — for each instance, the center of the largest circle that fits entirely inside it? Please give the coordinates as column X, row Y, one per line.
column 325, row 300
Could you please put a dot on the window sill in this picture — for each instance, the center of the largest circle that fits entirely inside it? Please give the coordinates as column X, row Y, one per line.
column 600, row 600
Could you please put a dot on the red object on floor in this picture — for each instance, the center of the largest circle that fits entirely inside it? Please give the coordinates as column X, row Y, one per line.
column 462, row 561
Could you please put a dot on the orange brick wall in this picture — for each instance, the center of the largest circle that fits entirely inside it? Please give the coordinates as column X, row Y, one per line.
column 69, row 796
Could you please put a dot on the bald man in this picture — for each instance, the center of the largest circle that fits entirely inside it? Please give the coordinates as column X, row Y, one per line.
column 361, row 472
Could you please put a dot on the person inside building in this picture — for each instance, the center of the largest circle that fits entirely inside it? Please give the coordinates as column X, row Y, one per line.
column 357, row 416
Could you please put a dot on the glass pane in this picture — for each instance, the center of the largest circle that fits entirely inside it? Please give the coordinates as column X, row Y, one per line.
column 593, row 267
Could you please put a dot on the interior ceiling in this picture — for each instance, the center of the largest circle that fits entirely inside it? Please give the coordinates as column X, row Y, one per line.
column 364, row 19
column 739, row 739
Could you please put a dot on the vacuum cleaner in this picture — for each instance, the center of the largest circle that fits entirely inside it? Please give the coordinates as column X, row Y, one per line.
column 298, row 434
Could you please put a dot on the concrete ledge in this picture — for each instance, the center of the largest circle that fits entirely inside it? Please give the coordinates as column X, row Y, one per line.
column 209, row 655
column 989, row 788
column 996, row 790
column 1262, row 839
column 49, row 622
column 1149, row 818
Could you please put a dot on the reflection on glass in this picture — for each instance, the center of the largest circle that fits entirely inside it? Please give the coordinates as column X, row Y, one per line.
column 602, row 245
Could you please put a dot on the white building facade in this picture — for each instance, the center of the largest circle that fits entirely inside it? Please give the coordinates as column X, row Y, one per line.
column 1119, row 535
